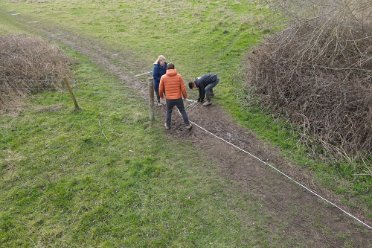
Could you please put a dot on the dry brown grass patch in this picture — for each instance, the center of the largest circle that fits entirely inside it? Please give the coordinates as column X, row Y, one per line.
column 318, row 72
column 29, row 65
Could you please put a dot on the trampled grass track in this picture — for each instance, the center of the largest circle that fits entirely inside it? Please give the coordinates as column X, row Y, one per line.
column 65, row 39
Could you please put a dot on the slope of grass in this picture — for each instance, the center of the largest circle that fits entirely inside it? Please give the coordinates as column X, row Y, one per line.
column 103, row 177
column 7, row 26
column 198, row 36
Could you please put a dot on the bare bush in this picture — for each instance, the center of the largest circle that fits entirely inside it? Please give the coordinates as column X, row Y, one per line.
column 29, row 65
column 318, row 72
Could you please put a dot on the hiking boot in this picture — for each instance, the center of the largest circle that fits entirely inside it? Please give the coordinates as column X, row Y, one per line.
column 159, row 104
column 207, row 103
column 166, row 126
column 188, row 126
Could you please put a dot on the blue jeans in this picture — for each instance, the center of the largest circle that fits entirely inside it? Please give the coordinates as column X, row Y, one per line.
column 179, row 104
column 209, row 89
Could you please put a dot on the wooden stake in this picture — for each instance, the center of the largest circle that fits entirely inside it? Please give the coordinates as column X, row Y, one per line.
column 69, row 88
column 151, row 99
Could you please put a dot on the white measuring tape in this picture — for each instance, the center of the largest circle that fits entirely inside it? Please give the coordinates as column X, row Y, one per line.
column 145, row 73
column 282, row 173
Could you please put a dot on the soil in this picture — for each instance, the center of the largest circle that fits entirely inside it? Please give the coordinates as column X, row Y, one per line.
column 306, row 218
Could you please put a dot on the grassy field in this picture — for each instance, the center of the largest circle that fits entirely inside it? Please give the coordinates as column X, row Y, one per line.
column 102, row 177
column 200, row 37
column 60, row 197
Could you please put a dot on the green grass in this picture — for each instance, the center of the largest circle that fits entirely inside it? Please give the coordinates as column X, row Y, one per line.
column 7, row 26
column 198, row 36
column 102, row 177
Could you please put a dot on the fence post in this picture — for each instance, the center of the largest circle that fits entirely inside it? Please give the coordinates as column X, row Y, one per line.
column 151, row 98
column 69, row 88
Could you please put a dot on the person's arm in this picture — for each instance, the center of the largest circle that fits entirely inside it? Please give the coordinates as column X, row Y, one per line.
column 201, row 93
column 200, row 84
column 183, row 88
column 155, row 73
column 161, row 88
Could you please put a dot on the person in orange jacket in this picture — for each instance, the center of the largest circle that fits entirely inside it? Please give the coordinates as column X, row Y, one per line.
column 173, row 87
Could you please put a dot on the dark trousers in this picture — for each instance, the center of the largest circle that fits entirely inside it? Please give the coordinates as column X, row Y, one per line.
column 156, row 88
column 209, row 89
column 179, row 104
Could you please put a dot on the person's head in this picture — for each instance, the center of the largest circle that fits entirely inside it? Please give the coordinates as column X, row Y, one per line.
column 192, row 84
column 170, row 66
column 160, row 60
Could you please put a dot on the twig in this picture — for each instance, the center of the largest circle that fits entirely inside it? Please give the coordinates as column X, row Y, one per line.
column 101, row 129
column 143, row 74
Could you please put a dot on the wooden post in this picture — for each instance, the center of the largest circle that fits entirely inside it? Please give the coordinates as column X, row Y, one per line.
column 151, row 99
column 69, row 88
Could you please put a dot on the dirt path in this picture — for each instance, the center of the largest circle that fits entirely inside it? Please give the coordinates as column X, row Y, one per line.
column 307, row 219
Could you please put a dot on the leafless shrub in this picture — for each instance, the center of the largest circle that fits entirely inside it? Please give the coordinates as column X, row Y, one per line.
column 318, row 72
column 29, row 65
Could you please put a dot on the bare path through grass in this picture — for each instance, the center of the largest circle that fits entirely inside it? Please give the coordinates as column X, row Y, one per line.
column 307, row 219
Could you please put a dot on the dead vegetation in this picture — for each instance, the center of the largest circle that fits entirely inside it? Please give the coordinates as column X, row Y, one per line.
column 29, row 65
column 318, row 73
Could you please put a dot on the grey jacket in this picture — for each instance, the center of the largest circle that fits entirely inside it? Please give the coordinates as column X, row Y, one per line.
column 202, row 82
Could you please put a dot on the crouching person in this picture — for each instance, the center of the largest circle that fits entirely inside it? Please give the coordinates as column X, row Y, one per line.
column 205, row 84
column 173, row 87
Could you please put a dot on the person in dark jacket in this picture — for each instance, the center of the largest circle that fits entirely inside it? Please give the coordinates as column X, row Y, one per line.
column 205, row 84
column 160, row 68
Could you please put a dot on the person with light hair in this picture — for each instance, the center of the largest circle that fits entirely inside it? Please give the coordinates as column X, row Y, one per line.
column 160, row 68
